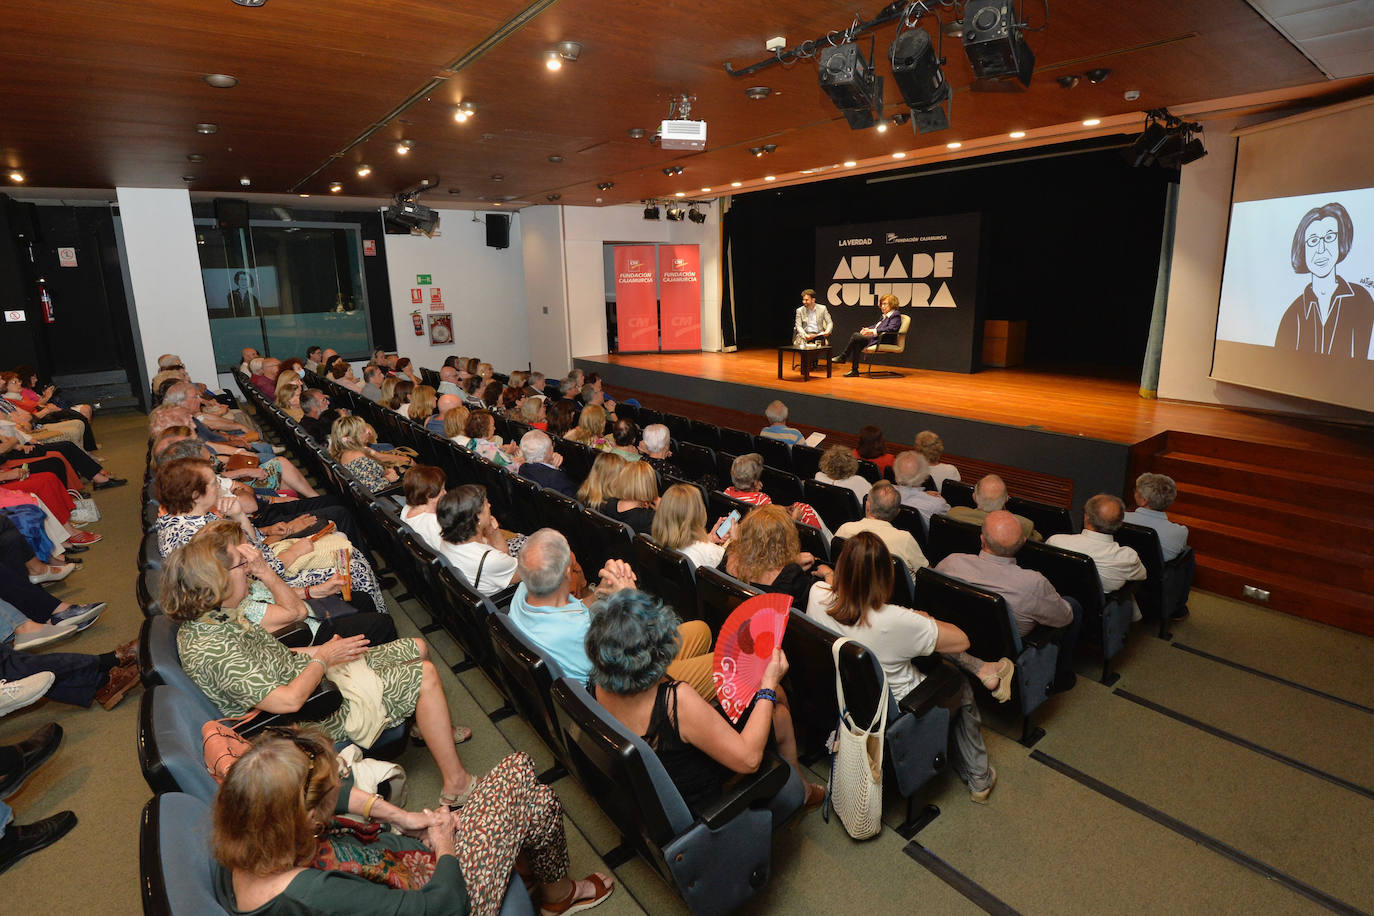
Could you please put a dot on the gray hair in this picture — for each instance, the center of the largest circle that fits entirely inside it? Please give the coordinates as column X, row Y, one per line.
column 184, row 448
column 168, row 360
column 536, row 380
column 1158, row 491
column 910, row 468
column 544, row 561
column 566, row 386
column 884, row 502
column 776, row 412
column 312, row 398
column 746, row 470
column 656, row 437
column 1104, row 513
column 178, row 393
column 255, row 365
column 990, row 493
column 536, row 446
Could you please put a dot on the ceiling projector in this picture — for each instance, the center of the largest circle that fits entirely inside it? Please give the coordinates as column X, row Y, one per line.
column 682, row 135
column 412, row 214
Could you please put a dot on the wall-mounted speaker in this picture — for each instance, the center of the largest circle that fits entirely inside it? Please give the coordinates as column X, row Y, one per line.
column 498, row 230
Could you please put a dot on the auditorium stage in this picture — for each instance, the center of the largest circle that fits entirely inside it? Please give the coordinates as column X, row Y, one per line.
column 1075, row 427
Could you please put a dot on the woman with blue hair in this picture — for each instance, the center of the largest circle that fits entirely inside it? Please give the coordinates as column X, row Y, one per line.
column 632, row 639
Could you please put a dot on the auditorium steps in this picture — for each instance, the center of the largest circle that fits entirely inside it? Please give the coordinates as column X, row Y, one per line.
column 1296, row 523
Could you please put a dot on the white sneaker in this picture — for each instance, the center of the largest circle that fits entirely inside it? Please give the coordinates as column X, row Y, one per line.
column 24, row 692
column 47, row 633
column 54, row 574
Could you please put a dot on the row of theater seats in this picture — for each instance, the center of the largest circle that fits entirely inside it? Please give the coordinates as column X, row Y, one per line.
column 720, row 856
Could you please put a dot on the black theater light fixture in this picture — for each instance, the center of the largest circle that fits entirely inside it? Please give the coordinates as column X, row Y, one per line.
column 674, row 213
column 994, row 41
column 1098, row 75
column 651, row 209
column 917, row 69
column 854, row 87
column 758, row 152
column 1166, row 141
column 605, row 185
column 672, row 170
column 696, row 215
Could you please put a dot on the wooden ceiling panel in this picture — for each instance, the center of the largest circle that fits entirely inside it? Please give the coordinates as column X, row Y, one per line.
column 97, row 93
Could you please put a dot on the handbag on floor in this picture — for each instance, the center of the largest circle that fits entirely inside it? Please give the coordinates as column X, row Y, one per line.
column 856, row 766
column 85, row 512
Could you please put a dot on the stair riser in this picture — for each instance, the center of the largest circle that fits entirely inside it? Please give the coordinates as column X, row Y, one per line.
column 1263, row 556
column 1337, row 466
column 1350, row 615
column 1334, row 496
column 1326, row 532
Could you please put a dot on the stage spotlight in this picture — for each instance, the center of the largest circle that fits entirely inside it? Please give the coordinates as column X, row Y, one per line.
column 849, row 80
column 1147, row 145
column 605, row 185
column 994, row 42
column 696, row 216
column 1193, row 150
column 672, row 170
column 916, row 68
column 674, row 213
column 1098, row 74
column 651, row 210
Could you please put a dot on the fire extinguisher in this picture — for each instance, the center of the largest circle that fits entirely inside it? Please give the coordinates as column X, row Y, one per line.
column 48, row 316
column 419, row 323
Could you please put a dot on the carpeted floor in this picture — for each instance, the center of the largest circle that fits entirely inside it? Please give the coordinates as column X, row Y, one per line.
column 1198, row 782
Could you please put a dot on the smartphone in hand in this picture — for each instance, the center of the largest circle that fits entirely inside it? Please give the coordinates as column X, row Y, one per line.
column 726, row 524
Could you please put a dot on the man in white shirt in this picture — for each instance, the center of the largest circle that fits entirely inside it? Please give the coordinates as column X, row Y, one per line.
column 884, row 502
column 910, row 470
column 813, row 322
column 448, row 381
column 1116, row 565
column 1155, row 493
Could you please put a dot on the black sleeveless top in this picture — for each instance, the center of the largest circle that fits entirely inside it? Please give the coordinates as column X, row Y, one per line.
column 697, row 776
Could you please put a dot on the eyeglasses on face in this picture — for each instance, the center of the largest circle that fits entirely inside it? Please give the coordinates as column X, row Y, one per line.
column 1329, row 238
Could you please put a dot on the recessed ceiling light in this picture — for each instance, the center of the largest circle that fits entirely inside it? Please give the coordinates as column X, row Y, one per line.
column 1092, row 122
column 404, row 147
column 637, row 133
column 498, row 203
column 850, row 163
column 221, row 80
column 497, row 176
column 17, row 176
column 302, row 195
column 953, row 144
column 245, row 181
column 899, row 155
column 555, row 159
column 882, row 127
column 706, row 190
column 605, row 185
column 1017, row 134
column 554, row 196
column 194, row 157
column 680, row 194
column 758, row 93
column 364, row 171
column 770, row 177
column 736, row 184
column 186, row 178
column 250, row 2
column 464, row 111
column 335, row 188
column 552, row 60
column 205, row 127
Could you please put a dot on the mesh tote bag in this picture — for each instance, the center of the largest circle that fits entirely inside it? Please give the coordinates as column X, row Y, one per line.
column 856, row 767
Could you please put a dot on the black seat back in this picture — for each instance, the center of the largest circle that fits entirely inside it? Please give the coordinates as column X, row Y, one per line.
column 948, row 536
column 909, row 520
column 1048, row 520
column 603, row 539
column 718, row 594
column 577, row 458
column 776, row 453
column 806, row 460
column 957, row 493
column 810, row 682
column 529, row 677
column 697, row 461
column 980, row 613
column 667, row 574
column 836, row 505
column 783, row 487
column 736, row 441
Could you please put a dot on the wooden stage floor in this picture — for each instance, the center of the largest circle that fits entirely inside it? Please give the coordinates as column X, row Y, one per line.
column 1099, row 408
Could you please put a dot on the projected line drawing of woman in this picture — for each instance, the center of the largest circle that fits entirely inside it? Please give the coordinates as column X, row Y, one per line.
column 1332, row 317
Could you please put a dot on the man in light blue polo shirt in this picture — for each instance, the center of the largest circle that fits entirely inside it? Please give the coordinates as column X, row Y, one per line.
column 777, row 427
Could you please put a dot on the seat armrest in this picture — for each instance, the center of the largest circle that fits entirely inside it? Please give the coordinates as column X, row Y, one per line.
column 762, row 785
column 321, row 704
column 1124, row 593
column 393, row 490
column 925, row 696
column 294, row 635
column 1041, row 635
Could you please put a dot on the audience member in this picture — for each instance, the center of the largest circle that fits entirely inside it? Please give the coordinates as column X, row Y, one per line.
column 910, row 471
column 448, row 381
column 373, row 376
column 840, row 468
column 591, row 428
column 595, row 492
column 1030, row 597
column 442, row 406
column 1155, row 493
column 482, row 439
column 423, row 402
column 543, row 465
column 634, row 495
column 855, row 604
column 264, row 375
column 455, row 422
column 746, row 484
column 314, row 358
column 766, row 553
column 990, row 495
column 680, row 524
column 1116, row 565
column 777, row 428
column 884, row 502
column 932, row 447
column 423, row 486
column 873, row 447
column 472, row 540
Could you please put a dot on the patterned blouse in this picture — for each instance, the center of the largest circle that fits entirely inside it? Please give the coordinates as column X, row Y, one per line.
column 175, row 531
column 237, row 664
column 809, row 516
column 369, row 473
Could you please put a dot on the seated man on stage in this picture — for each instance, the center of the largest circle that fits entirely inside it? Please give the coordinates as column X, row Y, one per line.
column 887, row 328
column 813, row 324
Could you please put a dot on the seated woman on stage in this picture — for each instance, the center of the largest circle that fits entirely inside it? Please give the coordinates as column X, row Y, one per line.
column 886, row 329
column 441, row 862
column 240, row 666
column 632, row 639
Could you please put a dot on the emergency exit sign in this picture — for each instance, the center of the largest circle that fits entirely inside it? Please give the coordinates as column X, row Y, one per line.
column 423, row 279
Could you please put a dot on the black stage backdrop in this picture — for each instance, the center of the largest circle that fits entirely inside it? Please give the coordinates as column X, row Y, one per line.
column 930, row 265
column 1070, row 244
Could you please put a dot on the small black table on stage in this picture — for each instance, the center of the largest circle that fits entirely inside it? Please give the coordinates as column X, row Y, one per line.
column 807, row 355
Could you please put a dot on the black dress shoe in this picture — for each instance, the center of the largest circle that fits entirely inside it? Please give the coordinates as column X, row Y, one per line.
column 20, row 760
column 22, row 839
column 852, row 373
column 74, row 548
column 109, row 483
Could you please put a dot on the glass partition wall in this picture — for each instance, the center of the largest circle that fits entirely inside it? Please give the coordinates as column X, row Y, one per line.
column 282, row 287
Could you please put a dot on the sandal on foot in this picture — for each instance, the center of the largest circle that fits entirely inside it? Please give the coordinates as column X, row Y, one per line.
column 602, row 886
column 1006, row 668
column 461, row 734
column 457, row 800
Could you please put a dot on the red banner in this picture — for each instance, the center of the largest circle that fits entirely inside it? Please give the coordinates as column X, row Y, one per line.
column 679, row 273
column 636, row 299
